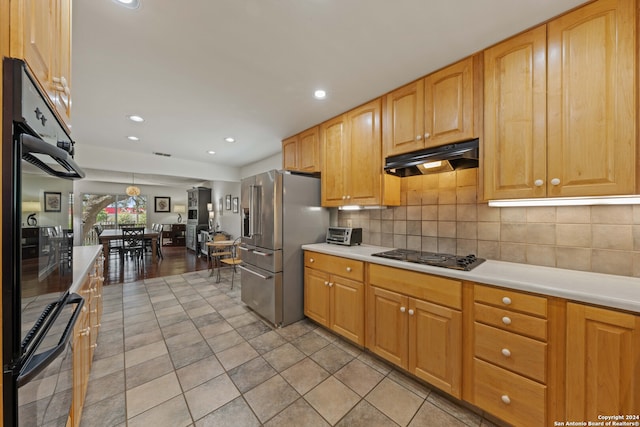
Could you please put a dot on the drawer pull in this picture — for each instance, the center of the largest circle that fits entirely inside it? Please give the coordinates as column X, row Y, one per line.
column 326, row 283
column 403, row 309
column 349, row 269
column 411, row 312
column 85, row 332
column 505, row 399
column 506, row 300
column 506, row 352
column 311, row 260
column 330, row 284
column 506, row 320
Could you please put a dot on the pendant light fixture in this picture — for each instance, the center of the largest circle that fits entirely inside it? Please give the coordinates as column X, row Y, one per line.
column 132, row 190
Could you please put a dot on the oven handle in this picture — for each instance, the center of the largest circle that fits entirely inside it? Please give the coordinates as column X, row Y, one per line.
column 38, row 362
column 31, row 144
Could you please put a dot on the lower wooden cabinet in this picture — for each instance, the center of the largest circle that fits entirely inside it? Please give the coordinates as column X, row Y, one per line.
column 603, row 363
column 406, row 328
column 334, row 294
column 85, row 336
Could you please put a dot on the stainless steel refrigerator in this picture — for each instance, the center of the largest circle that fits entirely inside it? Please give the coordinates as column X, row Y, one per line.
column 280, row 212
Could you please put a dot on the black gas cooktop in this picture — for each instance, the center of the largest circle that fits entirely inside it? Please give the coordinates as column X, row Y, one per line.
column 456, row 262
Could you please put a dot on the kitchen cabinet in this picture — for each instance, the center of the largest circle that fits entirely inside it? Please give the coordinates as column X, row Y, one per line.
column 603, row 363
column 334, row 294
column 352, row 160
column 85, row 336
column 511, row 358
column 414, row 320
column 559, row 107
column 41, row 35
column 442, row 108
column 301, row 152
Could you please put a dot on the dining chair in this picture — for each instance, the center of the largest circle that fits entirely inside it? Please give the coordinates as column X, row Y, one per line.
column 218, row 253
column 159, row 228
column 233, row 261
column 133, row 243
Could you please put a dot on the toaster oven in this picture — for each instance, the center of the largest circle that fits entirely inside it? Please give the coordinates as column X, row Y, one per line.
column 347, row 236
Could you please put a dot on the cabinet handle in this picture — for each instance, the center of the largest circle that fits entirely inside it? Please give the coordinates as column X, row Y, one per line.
column 506, row 352
column 311, row 260
column 418, row 137
column 505, row 399
column 330, row 284
column 427, row 135
column 538, row 182
column 411, row 312
column 349, row 269
column 403, row 309
column 94, row 346
column 506, row 300
column 85, row 332
column 348, row 197
column 84, row 309
column 506, row 320
column 555, row 181
column 326, row 283
column 344, row 197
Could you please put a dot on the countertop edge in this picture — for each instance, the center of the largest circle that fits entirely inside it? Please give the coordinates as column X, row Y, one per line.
column 607, row 290
column 83, row 259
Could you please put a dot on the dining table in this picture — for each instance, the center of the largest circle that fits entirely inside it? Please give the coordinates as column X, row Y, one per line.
column 217, row 246
column 116, row 234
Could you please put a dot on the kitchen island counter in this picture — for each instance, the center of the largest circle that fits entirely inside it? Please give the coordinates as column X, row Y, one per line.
column 620, row 292
column 83, row 262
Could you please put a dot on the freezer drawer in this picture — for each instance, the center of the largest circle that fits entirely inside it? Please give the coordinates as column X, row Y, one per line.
column 262, row 258
column 262, row 292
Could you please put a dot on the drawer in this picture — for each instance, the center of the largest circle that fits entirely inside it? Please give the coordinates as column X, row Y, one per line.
column 520, row 354
column 344, row 267
column 436, row 289
column 512, row 300
column 512, row 321
column 511, row 397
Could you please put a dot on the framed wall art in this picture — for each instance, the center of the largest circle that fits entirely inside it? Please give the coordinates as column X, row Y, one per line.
column 227, row 202
column 235, row 206
column 162, row 204
column 52, row 201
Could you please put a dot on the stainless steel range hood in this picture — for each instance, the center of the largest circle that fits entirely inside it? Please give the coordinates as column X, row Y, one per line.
column 461, row 155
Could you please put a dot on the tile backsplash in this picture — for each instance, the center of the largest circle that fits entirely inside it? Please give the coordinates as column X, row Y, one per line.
column 441, row 213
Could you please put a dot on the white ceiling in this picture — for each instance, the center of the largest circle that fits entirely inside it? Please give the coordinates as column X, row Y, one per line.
column 201, row 70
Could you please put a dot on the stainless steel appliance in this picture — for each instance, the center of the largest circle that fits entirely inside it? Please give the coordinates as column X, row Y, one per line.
column 347, row 236
column 280, row 212
column 457, row 262
column 461, row 155
column 38, row 311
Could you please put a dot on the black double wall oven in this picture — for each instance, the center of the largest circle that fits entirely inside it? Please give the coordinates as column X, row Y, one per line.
column 38, row 309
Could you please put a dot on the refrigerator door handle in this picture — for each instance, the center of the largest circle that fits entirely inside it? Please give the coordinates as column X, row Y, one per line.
column 251, row 211
column 254, row 273
column 261, row 253
column 257, row 204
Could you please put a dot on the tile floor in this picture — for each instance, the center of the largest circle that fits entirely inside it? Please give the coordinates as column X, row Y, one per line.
column 185, row 351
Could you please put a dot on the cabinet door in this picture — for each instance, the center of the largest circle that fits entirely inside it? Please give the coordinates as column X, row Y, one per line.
column 316, row 296
column 61, row 77
column 403, row 116
column 591, row 100
column 603, row 362
column 387, row 325
column 435, row 345
column 290, row 154
column 449, row 104
column 347, row 308
column 364, row 170
column 335, row 151
column 308, row 151
column 515, row 117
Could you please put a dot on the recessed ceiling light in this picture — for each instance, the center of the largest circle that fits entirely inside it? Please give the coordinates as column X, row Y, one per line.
column 229, row 139
column 211, row 152
column 131, row 4
column 135, row 118
column 320, row 94
column 133, row 138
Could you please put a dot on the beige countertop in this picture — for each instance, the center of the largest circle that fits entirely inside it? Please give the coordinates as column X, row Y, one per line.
column 83, row 259
column 620, row 292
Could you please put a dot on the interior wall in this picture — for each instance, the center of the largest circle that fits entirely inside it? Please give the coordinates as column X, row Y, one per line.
column 225, row 219
column 270, row 163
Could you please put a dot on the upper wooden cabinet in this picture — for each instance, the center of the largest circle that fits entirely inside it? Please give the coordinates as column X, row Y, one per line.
column 560, row 107
column 41, row 35
column 439, row 109
column 301, row 152
column 352, row 168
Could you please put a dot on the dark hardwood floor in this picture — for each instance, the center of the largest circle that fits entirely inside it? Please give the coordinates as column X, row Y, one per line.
column 177, row 260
